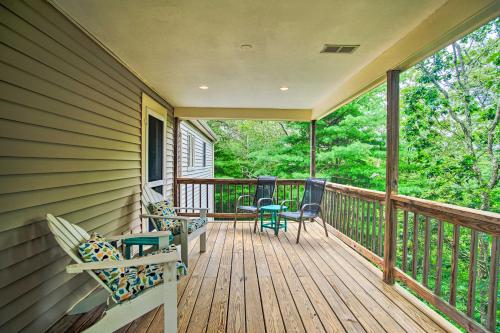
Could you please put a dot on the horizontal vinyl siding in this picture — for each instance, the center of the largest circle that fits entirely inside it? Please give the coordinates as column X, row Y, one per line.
column 70, row 145
column 190, row 195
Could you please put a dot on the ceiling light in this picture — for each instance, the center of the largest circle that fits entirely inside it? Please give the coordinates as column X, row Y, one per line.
column 203, row 87
column 284, row 88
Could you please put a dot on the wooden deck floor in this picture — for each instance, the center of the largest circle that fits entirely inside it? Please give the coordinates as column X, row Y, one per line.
column 259, row 282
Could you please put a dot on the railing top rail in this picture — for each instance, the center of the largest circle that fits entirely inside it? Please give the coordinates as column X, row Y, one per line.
column 356, row 191
column 231, row 181
column 484, row 221
column 488, row 222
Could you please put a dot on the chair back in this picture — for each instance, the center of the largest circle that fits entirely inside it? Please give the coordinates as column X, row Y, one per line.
column 69, row 236
column 264, row 189
column 150, row 196
column 313, row 194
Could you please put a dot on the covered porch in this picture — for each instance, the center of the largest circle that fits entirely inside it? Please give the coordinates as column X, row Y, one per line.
column 256, row 282
column 77, row 92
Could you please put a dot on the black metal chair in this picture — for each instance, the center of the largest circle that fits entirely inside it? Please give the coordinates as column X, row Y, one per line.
column 264, row 195
column 310, row 207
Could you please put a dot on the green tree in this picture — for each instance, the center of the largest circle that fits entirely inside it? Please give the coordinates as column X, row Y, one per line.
column 450, row 128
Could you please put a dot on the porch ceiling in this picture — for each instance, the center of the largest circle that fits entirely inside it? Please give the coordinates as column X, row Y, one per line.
column 177, row 46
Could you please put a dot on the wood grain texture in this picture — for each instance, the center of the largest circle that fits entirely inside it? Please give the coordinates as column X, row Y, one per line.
column 391, row 175
column 284, row 284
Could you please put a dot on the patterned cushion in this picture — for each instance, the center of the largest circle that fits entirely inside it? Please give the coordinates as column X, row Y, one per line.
column 137, row 279
column 98, row 249
column 192, row 225
column 166, row 208
column 163, row 208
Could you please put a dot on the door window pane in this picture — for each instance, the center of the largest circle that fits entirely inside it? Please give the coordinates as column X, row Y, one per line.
column 155, row 149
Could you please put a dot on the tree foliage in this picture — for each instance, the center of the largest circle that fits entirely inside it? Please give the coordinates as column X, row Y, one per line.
column 449, row 144
column 449, row 132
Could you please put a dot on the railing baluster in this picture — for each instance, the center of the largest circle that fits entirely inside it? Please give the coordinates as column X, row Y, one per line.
column 298, row 195
column 454, row 265
column 221, row 189
column 206, row 197
column 332, row 212
column 380, row 228
column 374, row 225
column 368, row 218
column 348, row 217
column 344, row 227
column 185, row 195
column 362, row 221
column 342, row 219
column 404, row 259
column 439, row 260
column 414, row 266
column 200, row 192
column 229, row 198
column 427, row 239
column 356, row 238
column 471, row 290
column 355, row 227
column 493, row 285
column 337, row 211
column 192, row 197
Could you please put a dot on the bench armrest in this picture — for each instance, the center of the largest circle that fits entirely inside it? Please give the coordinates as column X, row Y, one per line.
column 148, row 260
column 169, row 217
column 191, row 208
column 143, row 234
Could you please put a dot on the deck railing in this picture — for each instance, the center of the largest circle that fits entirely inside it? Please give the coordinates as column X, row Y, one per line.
column 429, row 259
column 220, row 195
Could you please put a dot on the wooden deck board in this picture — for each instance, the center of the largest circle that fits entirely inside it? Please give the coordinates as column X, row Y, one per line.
column 248, row 282
column 396, row 304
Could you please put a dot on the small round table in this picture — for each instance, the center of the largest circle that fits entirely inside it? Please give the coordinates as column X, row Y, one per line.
column 273, row 223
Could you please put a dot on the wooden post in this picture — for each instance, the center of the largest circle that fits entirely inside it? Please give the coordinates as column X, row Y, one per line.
column 176, row 147
column 313, row 148
column 391, row 177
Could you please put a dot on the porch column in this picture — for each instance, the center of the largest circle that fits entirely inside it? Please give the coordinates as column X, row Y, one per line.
column 312, row 134
column 391, row 175
column 176, row 148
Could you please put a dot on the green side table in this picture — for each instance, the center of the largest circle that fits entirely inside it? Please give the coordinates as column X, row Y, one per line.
column 273, row 223
column 141, row 241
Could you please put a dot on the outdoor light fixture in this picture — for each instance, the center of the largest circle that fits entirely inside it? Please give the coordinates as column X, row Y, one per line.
column 284, row 88
column 203, row 87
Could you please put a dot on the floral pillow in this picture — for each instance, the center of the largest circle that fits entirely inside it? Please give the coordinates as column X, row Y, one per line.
column 98, row 249
column 163, row 208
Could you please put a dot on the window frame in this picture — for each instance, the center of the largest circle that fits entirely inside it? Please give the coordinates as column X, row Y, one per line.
column 163, row 119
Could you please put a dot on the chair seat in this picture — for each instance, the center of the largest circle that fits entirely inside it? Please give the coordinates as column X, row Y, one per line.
column 296, row 215
column 251, row 209
column 136, row 279
column 193, row 225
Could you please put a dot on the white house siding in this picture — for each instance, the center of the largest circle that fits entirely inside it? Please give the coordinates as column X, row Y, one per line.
column 197, row 170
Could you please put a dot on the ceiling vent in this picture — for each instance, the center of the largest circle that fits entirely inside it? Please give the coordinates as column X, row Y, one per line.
column 334, row 48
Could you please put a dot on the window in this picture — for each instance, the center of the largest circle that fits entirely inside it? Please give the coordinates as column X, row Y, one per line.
column 190, row 150
column 204, row 154
column 155, row 158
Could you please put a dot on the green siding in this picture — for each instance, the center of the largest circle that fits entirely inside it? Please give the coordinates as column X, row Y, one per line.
column 70, row 126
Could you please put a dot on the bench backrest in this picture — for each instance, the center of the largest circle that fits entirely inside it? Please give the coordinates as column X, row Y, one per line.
column 69, row 236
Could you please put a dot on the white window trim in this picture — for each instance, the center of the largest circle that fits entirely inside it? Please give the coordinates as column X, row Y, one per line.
column 191, row 146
